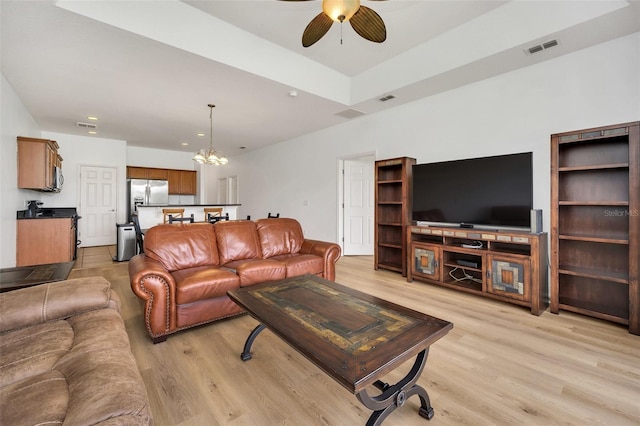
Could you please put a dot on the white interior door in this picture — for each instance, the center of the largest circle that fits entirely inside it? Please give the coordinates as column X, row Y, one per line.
column 98, row 205
column 358, row 207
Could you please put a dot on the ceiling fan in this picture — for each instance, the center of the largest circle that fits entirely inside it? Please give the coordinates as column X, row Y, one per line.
column 366, row 22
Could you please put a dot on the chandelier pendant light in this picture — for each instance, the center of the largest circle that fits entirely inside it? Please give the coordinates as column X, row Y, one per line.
column 210, row 156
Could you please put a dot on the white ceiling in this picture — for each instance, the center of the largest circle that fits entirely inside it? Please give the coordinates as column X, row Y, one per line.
column 148, row 69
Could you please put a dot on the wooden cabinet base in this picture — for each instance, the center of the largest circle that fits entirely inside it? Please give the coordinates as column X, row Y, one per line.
column 41, row 241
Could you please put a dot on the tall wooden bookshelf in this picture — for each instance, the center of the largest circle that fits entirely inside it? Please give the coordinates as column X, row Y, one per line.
column 595, row 223
column 392, row 212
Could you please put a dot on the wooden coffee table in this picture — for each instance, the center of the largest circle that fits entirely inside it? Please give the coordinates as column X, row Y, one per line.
column 27, row 276
column 353, row 337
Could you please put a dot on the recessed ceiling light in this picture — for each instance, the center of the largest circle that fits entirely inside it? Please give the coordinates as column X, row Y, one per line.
column 293, row 93
column 92, row 132
column 92, row 118
column 200, row 134
column 184, row 143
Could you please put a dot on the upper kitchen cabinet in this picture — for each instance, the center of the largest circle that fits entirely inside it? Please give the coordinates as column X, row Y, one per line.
column 182, row 182
column 146, row 173
column 38, row 160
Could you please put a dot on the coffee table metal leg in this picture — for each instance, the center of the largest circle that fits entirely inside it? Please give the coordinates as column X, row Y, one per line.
column 246, row 353
column 394, row 396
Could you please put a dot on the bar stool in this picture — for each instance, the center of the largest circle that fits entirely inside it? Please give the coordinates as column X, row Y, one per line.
column 212, row 211
column 214, row 219
column 171, row 212
column 181, row 219
column 139, row 233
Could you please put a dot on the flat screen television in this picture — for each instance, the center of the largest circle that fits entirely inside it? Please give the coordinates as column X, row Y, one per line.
column 489, row 192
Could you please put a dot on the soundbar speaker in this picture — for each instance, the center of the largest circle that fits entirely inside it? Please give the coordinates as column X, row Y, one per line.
column 536, row 221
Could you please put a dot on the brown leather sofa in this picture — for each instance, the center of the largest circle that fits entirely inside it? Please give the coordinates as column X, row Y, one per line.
column 186, row 269
column 65, row 358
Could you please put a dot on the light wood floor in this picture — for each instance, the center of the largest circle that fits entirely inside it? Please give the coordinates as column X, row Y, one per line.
column 500, row 365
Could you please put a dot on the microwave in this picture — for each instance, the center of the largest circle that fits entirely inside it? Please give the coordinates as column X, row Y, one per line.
column 58, row 179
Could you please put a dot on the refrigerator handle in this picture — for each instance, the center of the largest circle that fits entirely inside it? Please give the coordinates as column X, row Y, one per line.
column 147, row 194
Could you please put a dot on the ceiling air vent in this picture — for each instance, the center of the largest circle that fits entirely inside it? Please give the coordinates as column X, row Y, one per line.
column 540, row 47
column 350, row 113
column 386, row 98
column 86, row 125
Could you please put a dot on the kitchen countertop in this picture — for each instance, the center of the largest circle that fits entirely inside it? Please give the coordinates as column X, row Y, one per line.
column 49, row 213
column 191, row 205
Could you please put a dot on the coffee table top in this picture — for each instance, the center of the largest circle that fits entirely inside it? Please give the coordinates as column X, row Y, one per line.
column 26, row 276
column 354, row 337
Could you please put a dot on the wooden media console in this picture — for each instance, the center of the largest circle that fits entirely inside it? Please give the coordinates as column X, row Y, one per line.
column 509, row 266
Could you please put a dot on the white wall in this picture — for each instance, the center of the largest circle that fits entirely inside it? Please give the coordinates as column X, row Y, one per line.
column 514, row 112
column 161, row 158
column 15, row 120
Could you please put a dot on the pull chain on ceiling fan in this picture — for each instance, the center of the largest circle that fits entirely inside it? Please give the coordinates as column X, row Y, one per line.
column 366, row 22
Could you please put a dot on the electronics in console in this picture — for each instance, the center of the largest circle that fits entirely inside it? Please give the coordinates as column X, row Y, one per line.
column 473, row 245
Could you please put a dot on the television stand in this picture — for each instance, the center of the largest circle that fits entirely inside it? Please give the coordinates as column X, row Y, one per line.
column 510, row 266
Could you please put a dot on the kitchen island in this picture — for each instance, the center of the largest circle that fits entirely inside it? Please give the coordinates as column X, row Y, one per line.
column 152, row 215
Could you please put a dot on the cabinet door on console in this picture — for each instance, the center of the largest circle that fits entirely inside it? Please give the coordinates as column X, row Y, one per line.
column 509, row 276
column 426, row 261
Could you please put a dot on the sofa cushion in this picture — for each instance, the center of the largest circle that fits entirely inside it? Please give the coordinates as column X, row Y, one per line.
column 182, row 246
column 51, row 301
column 255, row 271
column 279, row 236
column 33, row 350
column 301, row 264
column 204, row 282
column 77, row 370
column 38, row 400
column 237, row 240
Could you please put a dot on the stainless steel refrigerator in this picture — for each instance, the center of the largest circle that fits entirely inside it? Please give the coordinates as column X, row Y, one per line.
column 146, row 192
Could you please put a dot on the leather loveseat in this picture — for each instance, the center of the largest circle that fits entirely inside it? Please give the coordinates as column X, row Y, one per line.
column 65, row 358
column 186, row 269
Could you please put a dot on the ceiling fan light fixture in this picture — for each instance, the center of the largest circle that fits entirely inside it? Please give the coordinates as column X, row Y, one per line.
column 340, row 10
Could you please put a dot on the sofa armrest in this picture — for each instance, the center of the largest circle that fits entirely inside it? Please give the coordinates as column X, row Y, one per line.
column 151, row 282
column 330, row 253
column 47, row 302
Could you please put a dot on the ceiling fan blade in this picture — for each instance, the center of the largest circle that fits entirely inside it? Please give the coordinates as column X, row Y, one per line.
column 316, row 29
column 369, row 25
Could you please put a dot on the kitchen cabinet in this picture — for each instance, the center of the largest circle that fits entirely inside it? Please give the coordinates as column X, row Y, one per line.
column 37, row 162
column 182, row 182
column 146, row 173
column 41, row 241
